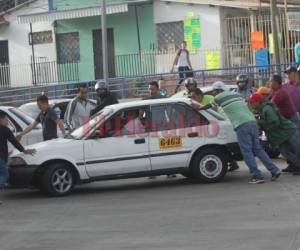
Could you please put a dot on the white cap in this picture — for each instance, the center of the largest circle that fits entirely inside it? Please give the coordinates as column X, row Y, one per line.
column 220, row 85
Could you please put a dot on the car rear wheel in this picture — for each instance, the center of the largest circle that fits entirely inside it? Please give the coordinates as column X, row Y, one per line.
column 58, row 180
column 209, row 166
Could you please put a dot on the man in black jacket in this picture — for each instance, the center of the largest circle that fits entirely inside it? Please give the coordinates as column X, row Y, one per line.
column 7, row 136
column 105, row 97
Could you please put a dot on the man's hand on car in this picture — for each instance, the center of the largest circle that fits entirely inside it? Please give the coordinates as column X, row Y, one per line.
column 29, row 152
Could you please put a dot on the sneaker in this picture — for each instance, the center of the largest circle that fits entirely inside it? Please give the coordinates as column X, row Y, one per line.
column 256, row 180
column 289, row 169
column 276, row 175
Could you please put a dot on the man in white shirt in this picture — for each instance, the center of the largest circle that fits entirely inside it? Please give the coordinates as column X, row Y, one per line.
column 79, row 109
column 183, row 63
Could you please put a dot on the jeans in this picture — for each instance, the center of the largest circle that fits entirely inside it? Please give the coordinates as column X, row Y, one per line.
column 290, row 149
column 248, row 140
column 3, row 174
column 296, row 119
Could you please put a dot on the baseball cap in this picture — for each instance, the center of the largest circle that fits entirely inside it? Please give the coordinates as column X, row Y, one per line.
column 290, row 69
column 220, row 85
column 263, row 91
column 255, row 97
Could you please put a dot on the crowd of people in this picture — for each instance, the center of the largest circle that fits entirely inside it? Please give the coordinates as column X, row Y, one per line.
column 274, row 107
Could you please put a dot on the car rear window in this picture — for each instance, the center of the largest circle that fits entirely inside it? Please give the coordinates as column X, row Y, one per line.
column 22, row 116
column 31, row 110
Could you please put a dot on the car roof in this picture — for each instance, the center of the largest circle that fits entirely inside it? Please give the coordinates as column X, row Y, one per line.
column 6, row 107
column 51, row 102
column 148, row 102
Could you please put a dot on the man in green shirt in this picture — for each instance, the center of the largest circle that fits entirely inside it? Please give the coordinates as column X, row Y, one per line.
column 198, row 96
column 244, row 123
column 279, row 130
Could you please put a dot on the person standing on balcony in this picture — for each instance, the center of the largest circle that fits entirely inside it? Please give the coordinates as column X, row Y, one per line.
column 183, row 63
column 78, row 110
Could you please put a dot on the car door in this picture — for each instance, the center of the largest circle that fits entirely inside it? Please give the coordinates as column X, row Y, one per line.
column 176, row 131
column 113, row 152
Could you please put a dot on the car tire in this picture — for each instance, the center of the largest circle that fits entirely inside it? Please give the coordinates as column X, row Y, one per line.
column 209, row 166
column 58, row 180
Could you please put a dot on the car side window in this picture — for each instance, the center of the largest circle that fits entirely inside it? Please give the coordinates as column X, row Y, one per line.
column 175, row 116
column 127, row 122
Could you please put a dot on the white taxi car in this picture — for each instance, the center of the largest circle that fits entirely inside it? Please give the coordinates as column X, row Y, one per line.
column 128, row 140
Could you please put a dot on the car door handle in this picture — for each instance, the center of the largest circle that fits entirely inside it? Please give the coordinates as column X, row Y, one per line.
column 139, row 141
column 193, row 134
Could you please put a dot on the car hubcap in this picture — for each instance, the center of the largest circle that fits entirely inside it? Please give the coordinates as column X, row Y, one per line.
column 211, row 166
column 62, row 180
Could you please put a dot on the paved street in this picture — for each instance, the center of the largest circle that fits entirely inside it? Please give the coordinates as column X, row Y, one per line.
column 157, row 214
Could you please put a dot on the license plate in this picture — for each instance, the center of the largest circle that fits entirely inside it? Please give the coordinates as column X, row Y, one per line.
column 170, row 142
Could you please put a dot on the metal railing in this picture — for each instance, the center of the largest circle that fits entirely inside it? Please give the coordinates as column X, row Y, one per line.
column 136, row 86
column 41, row 73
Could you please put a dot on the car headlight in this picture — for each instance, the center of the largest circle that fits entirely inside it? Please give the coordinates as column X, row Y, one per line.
column 16, row 162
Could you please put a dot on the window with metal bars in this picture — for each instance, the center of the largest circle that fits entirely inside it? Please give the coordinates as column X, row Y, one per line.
column 68, row 50
column 169, row 35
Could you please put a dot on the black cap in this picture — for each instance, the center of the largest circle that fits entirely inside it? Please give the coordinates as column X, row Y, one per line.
column 290, row 69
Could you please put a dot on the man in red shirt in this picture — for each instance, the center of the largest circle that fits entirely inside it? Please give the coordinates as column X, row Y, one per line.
column 282, row 101
column 292, row 87
column 284, row 105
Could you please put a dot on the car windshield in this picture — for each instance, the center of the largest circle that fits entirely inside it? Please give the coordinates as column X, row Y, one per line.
column 91, row 125
column 22, row 116
column 31, row 110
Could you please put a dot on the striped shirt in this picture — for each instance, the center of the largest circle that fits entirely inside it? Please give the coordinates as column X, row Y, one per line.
column 235, row 108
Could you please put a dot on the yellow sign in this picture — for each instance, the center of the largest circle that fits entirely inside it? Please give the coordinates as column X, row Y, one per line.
column 271, row 44
column 170, row 142
column 212, row 59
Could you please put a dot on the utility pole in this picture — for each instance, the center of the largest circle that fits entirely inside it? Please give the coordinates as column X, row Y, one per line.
column 104, row 43
column 287, row 35
column 274, row 13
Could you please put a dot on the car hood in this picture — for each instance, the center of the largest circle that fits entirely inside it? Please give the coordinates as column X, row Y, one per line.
column 41, row 146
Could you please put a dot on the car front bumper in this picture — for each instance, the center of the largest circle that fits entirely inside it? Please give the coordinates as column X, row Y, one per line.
column 22, row 176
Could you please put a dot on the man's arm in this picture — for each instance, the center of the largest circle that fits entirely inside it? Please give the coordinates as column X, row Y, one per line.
column 58, row 121
column 27, row 130
column 201, row 107
column 175, row 60
column 69, row 113
column 61, row 126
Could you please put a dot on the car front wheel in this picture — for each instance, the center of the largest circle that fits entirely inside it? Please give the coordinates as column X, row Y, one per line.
column 58, row 180
column 209, row 166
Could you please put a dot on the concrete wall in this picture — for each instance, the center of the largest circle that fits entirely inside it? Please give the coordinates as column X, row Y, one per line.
column 125, row 35
column 20, row 51
column 210, row 23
